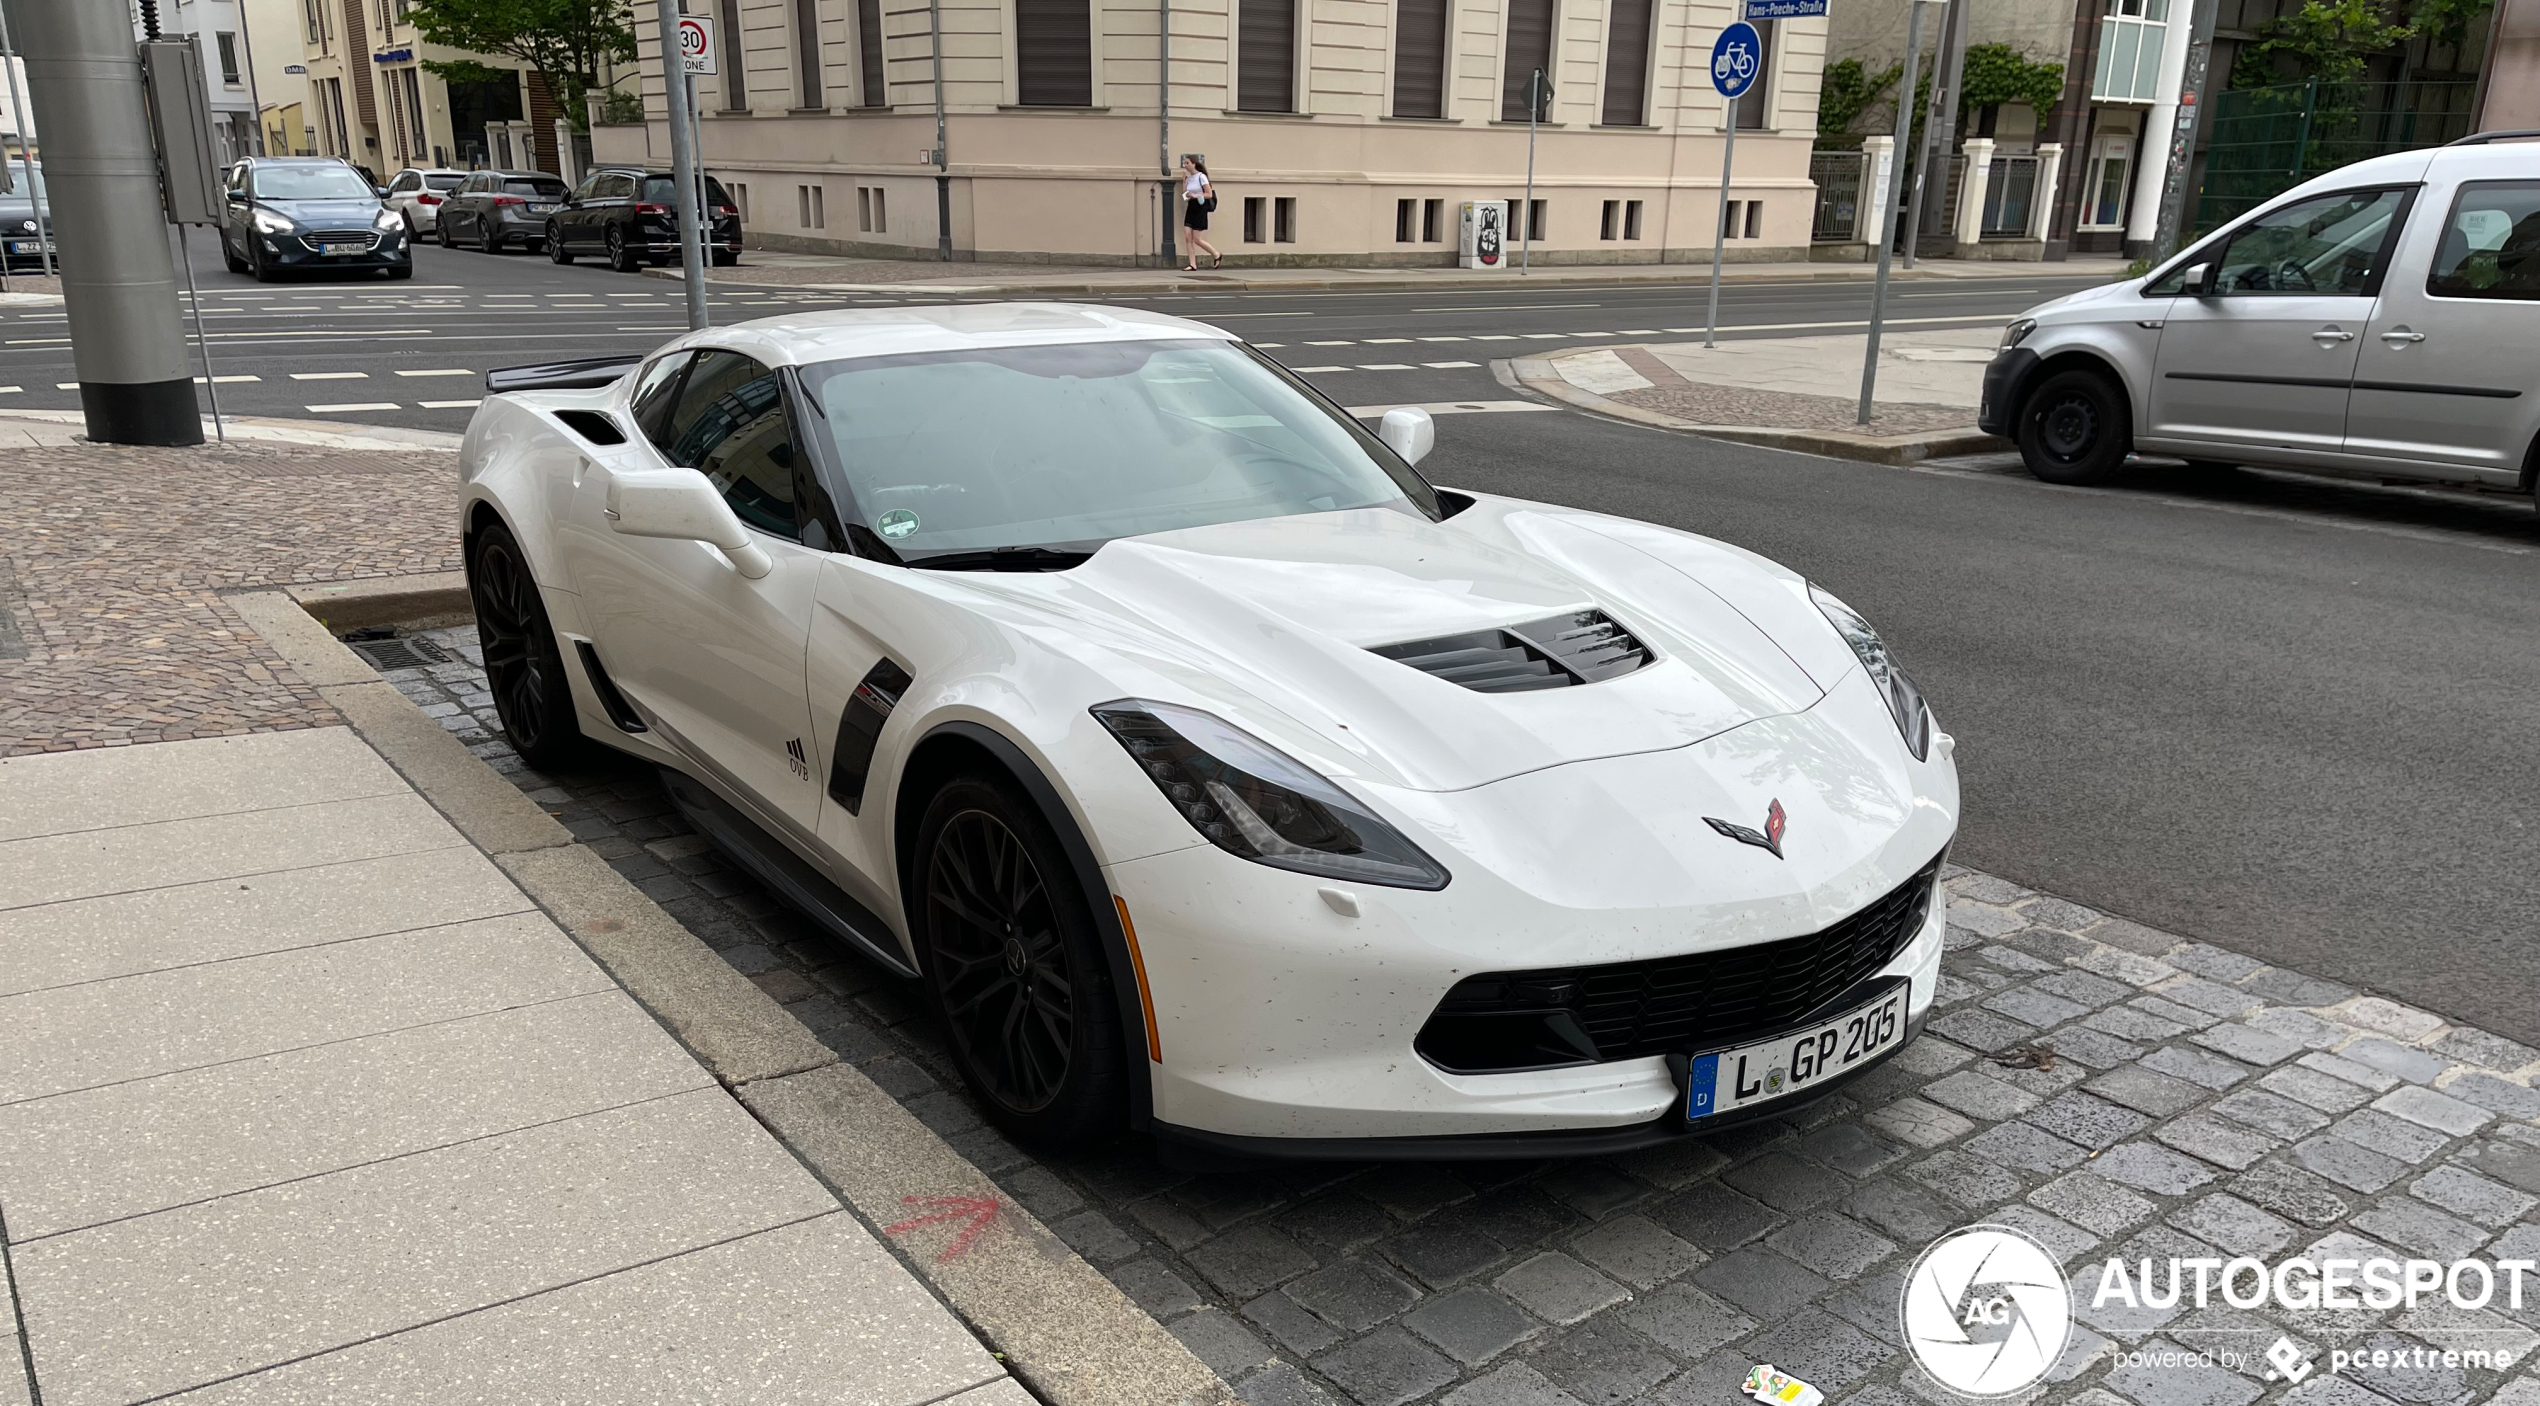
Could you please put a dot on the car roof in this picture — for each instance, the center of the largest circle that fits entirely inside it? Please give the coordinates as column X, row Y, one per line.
column 298, row 161
column 801, row 339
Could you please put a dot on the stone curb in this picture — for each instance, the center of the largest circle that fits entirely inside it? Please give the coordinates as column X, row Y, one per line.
column 1056, row 1321
column 1537, row 374
column 261, row 429
column 424, row 602
column 1691, row 274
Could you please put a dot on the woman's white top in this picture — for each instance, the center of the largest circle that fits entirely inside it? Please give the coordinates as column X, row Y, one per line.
column 1194, row 183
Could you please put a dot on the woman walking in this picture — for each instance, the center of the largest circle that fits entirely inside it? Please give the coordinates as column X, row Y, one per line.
column 1198, row 194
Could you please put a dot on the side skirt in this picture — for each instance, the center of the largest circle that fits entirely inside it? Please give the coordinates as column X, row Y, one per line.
column 771, row 863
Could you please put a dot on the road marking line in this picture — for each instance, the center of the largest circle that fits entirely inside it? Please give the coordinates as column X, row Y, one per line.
column 1269, row 346
column 1534, row 337
column 1638, row 332
column 37, row 341
column 66, row 385
column 353, row 405
column 1493, row 337
column 1446, row 339
column 1385, row 341
column 225, row 380
column 450, row 371
column 8, row 390
column 449, row 404
column 1310, row 370
column 1449, row 365
column 330, row 375
column 663, row 328
column 1819, row 326
column 1386, row 366
column 1580, row 334
column 1331, row 344
column 1515, row 307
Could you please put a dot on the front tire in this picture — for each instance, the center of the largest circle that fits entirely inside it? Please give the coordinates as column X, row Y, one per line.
column 1015, row 966
column 230, row 258
column 487, row 241
column 524, row 669
column 2074, row 428
column 441, row 231
column 556, row 252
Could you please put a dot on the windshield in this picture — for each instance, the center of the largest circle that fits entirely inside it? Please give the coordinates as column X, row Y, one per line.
column 657, row 190
column 312, row 183
column 541, row 190
column 1072, row 446
column 443, row 182
column 17, row 179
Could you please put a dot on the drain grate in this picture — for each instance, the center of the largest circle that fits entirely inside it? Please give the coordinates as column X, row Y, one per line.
column 409, row 653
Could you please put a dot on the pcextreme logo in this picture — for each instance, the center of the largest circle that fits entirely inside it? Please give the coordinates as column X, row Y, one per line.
column 1986, row 1311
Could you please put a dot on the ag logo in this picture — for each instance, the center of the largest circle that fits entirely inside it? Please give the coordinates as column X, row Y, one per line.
column 1986, row 1311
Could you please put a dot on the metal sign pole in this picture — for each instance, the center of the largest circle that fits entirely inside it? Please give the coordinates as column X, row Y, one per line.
column 26, row 153
column 683, row 158
column 1887, row 205
column 1720, row 227
column 1738, row 44
column 2170, row 231
column 202, row 340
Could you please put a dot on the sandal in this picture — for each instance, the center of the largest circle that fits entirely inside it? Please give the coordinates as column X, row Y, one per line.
column 1190, row 268
column 1220, row 261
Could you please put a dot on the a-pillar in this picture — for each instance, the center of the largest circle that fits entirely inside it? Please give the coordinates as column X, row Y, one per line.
column 1969, row 226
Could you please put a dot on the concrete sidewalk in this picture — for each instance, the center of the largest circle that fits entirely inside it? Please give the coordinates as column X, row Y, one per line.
column 304, row 1100
column 1794, row 392
column 763, row 268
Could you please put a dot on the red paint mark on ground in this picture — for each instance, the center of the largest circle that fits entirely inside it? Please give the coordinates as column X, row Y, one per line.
column 980, row 1211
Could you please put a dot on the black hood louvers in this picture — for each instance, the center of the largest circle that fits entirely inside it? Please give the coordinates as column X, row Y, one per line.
column 1584, row 646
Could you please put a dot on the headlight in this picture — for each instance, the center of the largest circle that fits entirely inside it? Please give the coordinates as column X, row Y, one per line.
column 267, row 222
column 2016, row 333
column 1256, row 802
column 1904, row 701
column 388, row 219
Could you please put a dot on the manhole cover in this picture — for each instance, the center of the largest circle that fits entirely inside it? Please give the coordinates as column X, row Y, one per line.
column 409, row 653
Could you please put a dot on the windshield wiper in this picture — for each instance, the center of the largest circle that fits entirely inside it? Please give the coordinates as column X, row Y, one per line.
column 1003, row 559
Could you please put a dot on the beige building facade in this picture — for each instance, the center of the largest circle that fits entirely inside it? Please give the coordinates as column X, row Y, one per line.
column 371, row 101
column 1339, row 132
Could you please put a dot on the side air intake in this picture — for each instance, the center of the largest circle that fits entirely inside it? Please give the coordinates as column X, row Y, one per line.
column 1582, row 647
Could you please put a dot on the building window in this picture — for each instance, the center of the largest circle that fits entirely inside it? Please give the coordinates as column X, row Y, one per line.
column 1419, row 58
column 1755, row 219
column 2103, row 191
column 1406, row 221
column 1529, row 48
column 313, row 12
column 736, row 84
column 810, row 206
column 228, row 44
column 1265, row 56
column 1283, row 219
column 1609, row 223
column 1054, row 53
column 1526, row 222
column 1744, row 219
column 1432, row 220
column 1627, row 64
column 807, row 52
column 1754, row 105
column 740, row 198
column 1254, row 208
column 872, row 216
column 414, row 109
column 1631, row 219
column 868, row 39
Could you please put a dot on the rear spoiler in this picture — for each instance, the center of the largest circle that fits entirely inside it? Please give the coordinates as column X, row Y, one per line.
column 588, row 373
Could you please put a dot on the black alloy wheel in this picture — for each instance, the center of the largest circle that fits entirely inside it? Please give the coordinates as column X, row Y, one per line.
column 1014, row 966
column 489, row 240
column 256, row 268
column 524, row 670
column 441, row 231
column 621, row 258
column 2074, row 429
column 556, row 252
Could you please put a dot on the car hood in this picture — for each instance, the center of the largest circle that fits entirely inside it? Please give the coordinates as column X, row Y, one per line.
column 1271, row 623
column 345, row 213
column 2124, row 290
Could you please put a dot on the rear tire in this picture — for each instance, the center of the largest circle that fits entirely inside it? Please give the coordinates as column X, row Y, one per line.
column 524, row 669
column 1015, row 966
column 487, row 241
column 441, row 231
column 2074, row 428
column 621, row 258
column 556, row 252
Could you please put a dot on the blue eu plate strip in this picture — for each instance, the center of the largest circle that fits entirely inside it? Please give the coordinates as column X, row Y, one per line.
column 1699, row 1084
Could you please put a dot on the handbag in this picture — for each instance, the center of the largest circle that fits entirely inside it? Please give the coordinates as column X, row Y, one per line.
column 1210, row 204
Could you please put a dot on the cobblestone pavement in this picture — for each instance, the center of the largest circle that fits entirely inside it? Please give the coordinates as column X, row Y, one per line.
column 112, row 630
column 1737, row 405
column 2197, row 1103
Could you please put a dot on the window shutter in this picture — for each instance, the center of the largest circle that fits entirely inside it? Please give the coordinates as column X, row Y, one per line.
column 736, row 84
column 1419, row 58
column 1054, row 62
column 1265, row 56
column 1529, row 48
column 1750, row 104
column 1627, row 64
column 807, row 51
column 868, row 31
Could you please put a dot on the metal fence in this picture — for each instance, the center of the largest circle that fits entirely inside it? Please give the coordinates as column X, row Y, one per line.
column 2010, row 193
column 1840, row 177
column 2268, row 140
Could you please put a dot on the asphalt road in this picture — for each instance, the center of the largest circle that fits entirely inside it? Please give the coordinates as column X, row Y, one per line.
column 2293, row 719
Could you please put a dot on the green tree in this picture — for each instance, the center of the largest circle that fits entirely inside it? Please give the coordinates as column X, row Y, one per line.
column 1849, row 90
column 2449, row 22
column 2330, row 40
column 566, row 40
column 1998, row 74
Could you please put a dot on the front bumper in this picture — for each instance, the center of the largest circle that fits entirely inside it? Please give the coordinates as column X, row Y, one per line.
column 290, row 251
column 2004, row 378
column 1280, row 1016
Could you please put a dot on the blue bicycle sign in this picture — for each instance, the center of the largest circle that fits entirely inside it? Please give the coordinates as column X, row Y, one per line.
column 1737, row 59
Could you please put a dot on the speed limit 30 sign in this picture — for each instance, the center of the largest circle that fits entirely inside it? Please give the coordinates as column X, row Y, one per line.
column 697, row 51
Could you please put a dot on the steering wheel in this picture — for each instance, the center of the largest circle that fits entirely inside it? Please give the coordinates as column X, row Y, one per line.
column 2288, row 272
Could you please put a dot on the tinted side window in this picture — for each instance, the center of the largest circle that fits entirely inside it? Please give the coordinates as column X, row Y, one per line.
column 730, row 422
column 2329, row 245
column 654, row 387
column 2491, row 244
column 616, row 187
column 406, row 181
column 589, row 185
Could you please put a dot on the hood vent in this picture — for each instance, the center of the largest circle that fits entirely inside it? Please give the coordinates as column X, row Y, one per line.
column 1582, row 647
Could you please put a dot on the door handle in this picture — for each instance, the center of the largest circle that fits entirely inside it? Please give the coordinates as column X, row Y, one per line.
column 2332, row 334
column 2399, row 336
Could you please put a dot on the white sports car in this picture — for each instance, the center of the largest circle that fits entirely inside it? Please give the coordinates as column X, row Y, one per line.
column 1216, row 773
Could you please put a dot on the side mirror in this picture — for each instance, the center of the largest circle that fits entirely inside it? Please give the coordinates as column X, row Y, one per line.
column 2198, row 281
column 680, row 504
column 1408, row 432
column 380, row 191
column 238, row 193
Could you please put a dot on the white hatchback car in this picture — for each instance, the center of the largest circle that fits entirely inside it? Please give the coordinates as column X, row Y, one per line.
column 417, row 193
column 2377, row 321
column 1213, row 770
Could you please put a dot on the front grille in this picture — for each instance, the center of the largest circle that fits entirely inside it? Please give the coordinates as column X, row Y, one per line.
column 1583, row 646
column 1501, row 1021
column 318, row 239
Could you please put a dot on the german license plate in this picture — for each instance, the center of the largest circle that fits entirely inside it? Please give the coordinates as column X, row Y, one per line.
column 540, row 209
column 1792, row 1063
column 343, row 248
column 29, row 246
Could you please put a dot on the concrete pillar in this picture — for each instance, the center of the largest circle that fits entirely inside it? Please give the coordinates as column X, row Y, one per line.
column 2152, row 156
column 1878, row 184
column 1969, row 225
column 2041, row 205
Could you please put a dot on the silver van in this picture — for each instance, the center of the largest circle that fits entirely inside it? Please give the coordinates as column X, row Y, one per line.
column 2381, row 321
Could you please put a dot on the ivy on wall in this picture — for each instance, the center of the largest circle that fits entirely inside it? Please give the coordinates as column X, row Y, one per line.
column 1848, row 90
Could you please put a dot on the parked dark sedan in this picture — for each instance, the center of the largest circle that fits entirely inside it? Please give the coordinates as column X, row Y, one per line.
column 309, row 213
column 490, row 209
column 632, row 216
